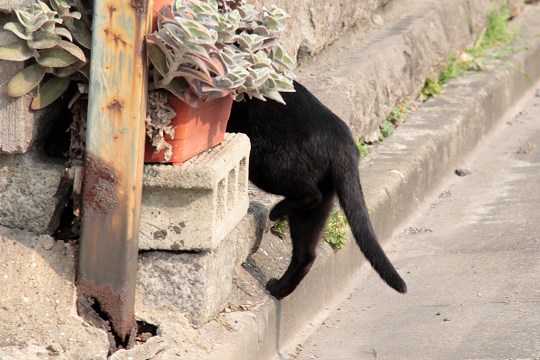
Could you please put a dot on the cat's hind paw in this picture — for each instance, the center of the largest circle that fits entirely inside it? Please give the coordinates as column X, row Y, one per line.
column 272, row 287
column 275, row 215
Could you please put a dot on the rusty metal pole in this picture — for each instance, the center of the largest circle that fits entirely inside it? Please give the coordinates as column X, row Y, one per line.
column 112, row 185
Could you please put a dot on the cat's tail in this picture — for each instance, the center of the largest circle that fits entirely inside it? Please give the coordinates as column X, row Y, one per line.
column 347, row 182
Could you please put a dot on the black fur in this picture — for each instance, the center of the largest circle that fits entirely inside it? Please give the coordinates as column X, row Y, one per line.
column 306, row 153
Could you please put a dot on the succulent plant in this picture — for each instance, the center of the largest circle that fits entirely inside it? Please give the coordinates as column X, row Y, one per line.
column 158, row 122
column 58, row 40
column 209, row 49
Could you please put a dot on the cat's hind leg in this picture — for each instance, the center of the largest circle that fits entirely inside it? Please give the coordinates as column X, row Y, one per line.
column 304, row 197
column 305, row 230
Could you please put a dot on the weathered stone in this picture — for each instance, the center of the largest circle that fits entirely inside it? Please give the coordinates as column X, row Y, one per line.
column 33, row 192
column 194, row 206
column 156, row 348
column 37, row 312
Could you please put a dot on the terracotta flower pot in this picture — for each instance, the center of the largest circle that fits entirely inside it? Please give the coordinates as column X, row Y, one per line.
column 196, row 129
column 156, row 9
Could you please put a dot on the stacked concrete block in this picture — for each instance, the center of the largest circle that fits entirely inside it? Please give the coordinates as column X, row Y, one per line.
column 196, row 284
column 188, row 253
column 194, row 206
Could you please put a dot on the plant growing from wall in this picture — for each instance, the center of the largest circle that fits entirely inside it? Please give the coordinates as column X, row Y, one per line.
column 55, row 44
column 336, row 230
column 496, row 33
column 363, row 148
column 393, row 120
column 495, row 37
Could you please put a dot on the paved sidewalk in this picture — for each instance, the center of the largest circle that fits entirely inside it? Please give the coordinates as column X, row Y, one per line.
column 471, row 258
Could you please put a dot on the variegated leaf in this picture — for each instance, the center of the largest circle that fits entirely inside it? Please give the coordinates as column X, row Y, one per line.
column 156, row 54
column 17, row 51
column 44, row 40
column 69, row 70
column 37, row 22
column 49, row 92
column 64, row 33
column 18, row 29
column 177, row 87
column 56, row 57
column 72, row 49
column 23, row 16
column 80, row 32
column 26, row 80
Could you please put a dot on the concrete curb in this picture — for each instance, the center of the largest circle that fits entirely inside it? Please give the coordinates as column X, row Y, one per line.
column 396, row 177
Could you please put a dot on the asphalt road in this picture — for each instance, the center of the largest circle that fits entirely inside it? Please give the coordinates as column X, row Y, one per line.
column 471, row 258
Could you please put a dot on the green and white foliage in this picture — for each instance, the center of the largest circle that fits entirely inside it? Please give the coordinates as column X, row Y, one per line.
column 54, row 42
column 208, row 49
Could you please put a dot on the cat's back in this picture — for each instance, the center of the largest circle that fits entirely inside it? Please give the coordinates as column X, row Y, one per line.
column 303, row 117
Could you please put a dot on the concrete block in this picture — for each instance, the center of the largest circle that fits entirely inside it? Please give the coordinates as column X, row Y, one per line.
column 20, row 127
column 194, row 206
column 195, row 284
column 33, row 192
column 198, row 284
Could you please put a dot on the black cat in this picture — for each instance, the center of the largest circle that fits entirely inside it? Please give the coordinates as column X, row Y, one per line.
column 306, row 153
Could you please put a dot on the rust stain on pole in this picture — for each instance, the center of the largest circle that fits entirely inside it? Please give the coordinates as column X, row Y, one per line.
column 99, row 192
column 140, row 6
column 112, row 186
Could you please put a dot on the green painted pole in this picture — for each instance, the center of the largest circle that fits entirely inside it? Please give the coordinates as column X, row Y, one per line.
column 112, row 185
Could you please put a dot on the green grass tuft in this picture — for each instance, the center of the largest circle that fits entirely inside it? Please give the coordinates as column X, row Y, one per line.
column 280, row 228
column 335, row 232
column 495, row 38
column 496, row 34
column 363, row 148
column 393, row 120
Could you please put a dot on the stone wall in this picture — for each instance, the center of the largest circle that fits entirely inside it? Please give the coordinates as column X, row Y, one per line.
column 315, row 24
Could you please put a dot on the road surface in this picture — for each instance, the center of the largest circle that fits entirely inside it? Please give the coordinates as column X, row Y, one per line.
column 471, row 259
